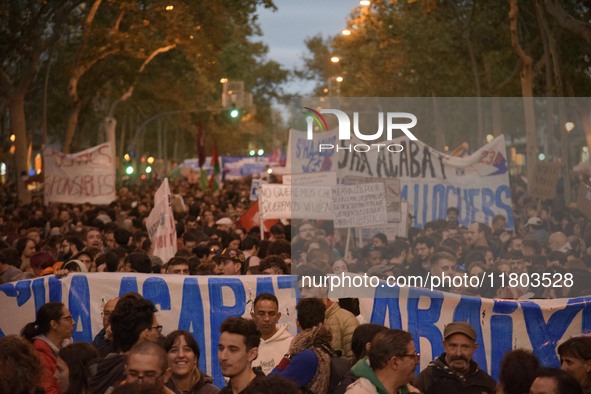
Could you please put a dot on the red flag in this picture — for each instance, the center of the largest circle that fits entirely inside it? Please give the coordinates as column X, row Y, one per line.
column 215, row 164
column 275, row 158
column 251, row 218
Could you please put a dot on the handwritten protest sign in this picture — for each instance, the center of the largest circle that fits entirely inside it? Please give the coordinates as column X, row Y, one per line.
column 363, row 235
column 297, row 202
column 392, row 194
column 359, row 205
column 544, row 183
column 86, row 176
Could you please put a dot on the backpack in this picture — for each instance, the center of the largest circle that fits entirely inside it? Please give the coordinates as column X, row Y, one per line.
column 339, row 366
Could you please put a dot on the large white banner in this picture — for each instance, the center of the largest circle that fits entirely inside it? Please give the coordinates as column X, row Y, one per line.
column 86, row 176
column 432, row 181
column 160, row 224
column 200, row 304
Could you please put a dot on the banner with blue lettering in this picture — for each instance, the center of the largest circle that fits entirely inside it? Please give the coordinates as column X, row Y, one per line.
column 200, row 304
column 432, row 181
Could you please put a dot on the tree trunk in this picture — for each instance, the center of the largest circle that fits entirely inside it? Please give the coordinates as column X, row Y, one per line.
column 71, row 127
column 527, row 89
column 19, row 127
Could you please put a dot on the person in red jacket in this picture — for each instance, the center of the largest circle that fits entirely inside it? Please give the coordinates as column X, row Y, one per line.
column 53, row 326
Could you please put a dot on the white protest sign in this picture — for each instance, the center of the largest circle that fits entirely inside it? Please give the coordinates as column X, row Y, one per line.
column 392, row 189
column 86, row 176
column 160, row 224
column 359, row 205
column 295, row 202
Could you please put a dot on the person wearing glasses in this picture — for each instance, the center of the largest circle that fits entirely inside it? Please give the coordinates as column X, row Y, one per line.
column 147, row 364
column 132, row 321
column 454, row 371
column 48, row 333
column 389, row 365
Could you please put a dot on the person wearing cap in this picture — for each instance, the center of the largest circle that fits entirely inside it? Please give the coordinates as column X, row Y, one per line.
column 536, row 231
column 454, row 371
column 230, row 262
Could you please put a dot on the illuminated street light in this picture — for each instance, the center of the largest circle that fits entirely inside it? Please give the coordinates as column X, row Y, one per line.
column 148, row 169
column 364, row 3
column 150, row 160
column 261, row 152
column 489, row 137
column 541, row 157
column 223, row 80
column 346, row 32
column 169, row 7
column 251, row 152
column 569, row 126
column 339, row 79
column 127, row 157
column 12, row 137
column 335, row 59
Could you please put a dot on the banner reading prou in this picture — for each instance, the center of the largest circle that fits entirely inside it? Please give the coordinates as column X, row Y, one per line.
column 200, row 304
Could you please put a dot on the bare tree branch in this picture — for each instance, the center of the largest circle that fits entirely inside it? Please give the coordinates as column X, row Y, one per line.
column 567, row 21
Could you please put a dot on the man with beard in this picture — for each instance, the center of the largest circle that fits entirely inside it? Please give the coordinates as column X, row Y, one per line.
column 70, row 246
column 455, row 371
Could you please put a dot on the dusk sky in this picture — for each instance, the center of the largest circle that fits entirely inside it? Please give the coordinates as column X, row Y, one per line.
column 285, row 30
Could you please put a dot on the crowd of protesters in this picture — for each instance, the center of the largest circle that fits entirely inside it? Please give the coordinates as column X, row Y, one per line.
column 38, row 240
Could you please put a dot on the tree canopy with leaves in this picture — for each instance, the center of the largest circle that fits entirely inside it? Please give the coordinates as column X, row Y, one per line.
column 129, row 59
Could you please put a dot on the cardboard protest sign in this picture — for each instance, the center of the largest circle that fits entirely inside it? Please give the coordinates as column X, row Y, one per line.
column 544, row 183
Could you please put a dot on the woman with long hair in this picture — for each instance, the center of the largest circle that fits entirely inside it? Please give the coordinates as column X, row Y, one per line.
column 183, row 358
column 54, row 324
column 72, row 367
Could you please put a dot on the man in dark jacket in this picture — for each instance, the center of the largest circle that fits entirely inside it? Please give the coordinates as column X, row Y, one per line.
column 133, row 321
column 455, row 371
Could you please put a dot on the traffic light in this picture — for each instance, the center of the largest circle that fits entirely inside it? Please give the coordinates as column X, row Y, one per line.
column 129, row 170
column 234, row 113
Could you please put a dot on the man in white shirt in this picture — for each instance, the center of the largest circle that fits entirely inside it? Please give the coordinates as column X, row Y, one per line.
column 275, row 339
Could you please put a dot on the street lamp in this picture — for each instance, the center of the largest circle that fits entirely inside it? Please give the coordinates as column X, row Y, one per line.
column 346, row 32
column 568, row 126
column 335, row 59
